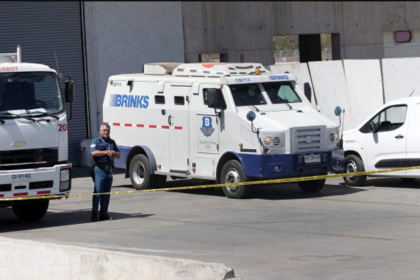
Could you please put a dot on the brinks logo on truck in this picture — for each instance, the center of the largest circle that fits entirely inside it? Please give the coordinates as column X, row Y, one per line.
column 129, row 101
column 207, row 127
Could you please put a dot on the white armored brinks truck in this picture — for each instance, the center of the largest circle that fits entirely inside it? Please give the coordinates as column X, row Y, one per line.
column 229, row 122
column 33, row 137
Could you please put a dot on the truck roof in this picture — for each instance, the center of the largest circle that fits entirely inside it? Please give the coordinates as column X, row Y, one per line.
column 204, row 72
column 24, row 67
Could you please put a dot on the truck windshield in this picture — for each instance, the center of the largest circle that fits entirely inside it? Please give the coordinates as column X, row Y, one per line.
column 281, row 93
column 26, row 91
column 246, row 95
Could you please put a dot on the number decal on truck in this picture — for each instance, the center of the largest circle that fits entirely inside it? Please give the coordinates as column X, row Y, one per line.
column 62, row 127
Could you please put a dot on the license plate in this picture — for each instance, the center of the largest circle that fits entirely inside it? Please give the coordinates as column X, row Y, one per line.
column 312, row 158
column 21, row 177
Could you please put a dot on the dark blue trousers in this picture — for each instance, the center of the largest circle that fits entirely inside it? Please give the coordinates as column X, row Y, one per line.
column 103, row 183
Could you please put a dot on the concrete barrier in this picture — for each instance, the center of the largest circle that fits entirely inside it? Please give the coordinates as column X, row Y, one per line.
column 330, row 86
column 23, row 259
column 364, row 86
column 400, row 77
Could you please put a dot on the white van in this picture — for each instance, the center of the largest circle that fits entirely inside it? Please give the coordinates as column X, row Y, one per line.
column 197, row 121
column 388, row 138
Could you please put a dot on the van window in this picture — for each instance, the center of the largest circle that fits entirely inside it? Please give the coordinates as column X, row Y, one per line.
column 387, row 120
column 245, row 95
column 159, row 99
column 179, row 100
column 281, row 93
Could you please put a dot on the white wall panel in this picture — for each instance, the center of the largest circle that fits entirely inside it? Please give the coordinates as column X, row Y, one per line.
column 331, row 89
column 364, row 86
column 401, row 77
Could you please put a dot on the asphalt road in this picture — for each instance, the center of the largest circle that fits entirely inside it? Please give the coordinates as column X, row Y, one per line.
column 341, row 233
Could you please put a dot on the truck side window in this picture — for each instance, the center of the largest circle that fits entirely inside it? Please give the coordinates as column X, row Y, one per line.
column 159, row 99
column 387, row 120
column 205, row 96
column 179, row 100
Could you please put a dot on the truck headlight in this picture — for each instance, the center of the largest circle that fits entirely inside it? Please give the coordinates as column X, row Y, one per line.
column 64, row 175
column 268, row 140
column 65, row 182
column 334, row 136
column 277, row 141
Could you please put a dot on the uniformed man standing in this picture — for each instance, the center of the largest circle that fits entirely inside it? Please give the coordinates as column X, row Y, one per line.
column 103, row 150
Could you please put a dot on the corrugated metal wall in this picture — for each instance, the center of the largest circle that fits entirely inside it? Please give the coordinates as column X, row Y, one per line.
column 41, row 28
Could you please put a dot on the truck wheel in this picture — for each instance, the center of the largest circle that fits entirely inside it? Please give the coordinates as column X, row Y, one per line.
column 312, row 186
column 233, row 172
column 140, row 173
column 354, row 164
column 30, row 210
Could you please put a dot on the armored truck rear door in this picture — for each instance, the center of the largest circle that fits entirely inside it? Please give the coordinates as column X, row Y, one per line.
column 178, row 96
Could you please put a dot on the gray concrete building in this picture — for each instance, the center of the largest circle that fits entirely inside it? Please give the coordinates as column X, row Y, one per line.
column 93, row 40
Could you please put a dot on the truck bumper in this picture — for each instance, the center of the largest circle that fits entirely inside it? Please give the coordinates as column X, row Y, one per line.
column 34, row 181
column 292, row 165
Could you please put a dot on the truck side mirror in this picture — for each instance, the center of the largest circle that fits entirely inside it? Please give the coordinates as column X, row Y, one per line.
column 308, row 91
column 215, row 99
column 69, row 91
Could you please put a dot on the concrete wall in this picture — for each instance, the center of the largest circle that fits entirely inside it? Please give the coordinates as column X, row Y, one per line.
column 121, row 37
column 22, row 259
column 248, row 27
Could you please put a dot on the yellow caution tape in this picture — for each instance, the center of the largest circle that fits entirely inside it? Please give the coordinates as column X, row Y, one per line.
column 261, row 182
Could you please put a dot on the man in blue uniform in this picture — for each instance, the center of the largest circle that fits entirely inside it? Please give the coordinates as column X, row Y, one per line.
column 103, row 150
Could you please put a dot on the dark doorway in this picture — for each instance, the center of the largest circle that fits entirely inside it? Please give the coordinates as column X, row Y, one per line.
column 310, row 47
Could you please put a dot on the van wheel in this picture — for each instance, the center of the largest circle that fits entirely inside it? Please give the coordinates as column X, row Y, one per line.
column 312, row 186
column 354, row 164
column 140, row 173
column 30, row 210
column 233, row 172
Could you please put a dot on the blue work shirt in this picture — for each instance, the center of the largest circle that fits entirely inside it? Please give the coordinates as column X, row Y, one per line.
column 100, row 144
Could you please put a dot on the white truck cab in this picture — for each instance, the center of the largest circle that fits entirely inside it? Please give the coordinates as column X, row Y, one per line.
column 228, row 122
column 33, row 137
column 388, row 138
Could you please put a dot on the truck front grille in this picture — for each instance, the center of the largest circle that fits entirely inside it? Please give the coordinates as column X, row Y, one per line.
column 308, row 139
column 10, row 160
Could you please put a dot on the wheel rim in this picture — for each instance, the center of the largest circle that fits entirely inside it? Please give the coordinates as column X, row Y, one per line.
column 351, row 167
column 139, row 173
column 232, row 176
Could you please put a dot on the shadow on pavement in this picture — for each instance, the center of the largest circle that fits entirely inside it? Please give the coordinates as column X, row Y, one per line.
column 268, row 192
column 408, row 183
column 82, row 172
column 9, row 222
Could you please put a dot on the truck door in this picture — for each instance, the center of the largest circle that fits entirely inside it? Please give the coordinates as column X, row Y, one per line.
column 205, row 129
column 413, row 139
column 387, row 146
column 178, row 127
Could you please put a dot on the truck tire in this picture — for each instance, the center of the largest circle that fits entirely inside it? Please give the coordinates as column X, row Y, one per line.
column 354, row 164
column 232, row 172
column 30, row 210
column 312, row 186
column 140, row 176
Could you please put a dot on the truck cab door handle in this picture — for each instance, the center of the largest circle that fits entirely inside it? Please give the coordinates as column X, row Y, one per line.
column 170, row 120
column 399, row 136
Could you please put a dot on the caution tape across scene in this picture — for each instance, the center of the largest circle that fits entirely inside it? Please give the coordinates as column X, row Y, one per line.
column 260, row 182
